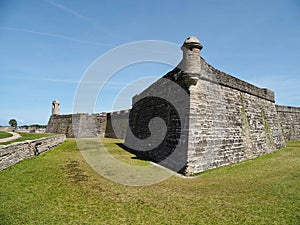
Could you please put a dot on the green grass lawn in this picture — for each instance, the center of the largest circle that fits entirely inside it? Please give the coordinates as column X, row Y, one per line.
column 4, row 134
column 59, row 187
column 27, row 136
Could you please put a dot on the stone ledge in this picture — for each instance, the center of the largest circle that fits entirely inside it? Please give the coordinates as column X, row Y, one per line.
column 16, row 152
column 288, row 109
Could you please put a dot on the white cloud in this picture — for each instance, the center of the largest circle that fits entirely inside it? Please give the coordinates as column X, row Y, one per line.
column 53, row 35
column 67, row 10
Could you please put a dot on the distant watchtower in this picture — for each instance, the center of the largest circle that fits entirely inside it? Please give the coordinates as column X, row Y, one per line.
column 55, row 107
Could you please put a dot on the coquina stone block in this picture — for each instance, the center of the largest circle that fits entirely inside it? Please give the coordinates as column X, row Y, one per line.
column 16, row 152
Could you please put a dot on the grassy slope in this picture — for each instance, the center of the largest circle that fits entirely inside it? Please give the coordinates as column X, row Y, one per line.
column 4, row 134
column 58, row 187
column 27, row 136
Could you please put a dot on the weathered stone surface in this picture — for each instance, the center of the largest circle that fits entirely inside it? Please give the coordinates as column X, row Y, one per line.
column 170, row 103
column 16, row 152
column 77, row 125
column 90, row 125
column 289, row 118
column 229, row 120
column 60, row 124
column 55, row 107
column 117, row 124
column 229, row 124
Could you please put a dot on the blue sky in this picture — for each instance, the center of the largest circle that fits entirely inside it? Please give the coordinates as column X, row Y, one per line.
column 46, row 46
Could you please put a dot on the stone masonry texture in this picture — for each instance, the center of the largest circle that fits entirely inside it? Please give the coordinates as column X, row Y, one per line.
column 112, row 125
column 16, row 152
column 289, row 118
column 229, row 120
column 219, row 120
column 171, row 152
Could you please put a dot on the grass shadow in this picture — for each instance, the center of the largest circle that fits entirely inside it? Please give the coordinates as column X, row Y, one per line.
column 137, row 155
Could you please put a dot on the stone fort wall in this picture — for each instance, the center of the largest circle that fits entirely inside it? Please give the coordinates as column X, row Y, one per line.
column 168, row 145
column 113, row 125
column 289, row 118
column 208, row 119
column 230, row 121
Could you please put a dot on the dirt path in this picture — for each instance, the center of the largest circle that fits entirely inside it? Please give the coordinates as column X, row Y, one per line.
column 15, row 136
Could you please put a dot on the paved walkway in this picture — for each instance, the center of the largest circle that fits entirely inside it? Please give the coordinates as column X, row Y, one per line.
column 15, row 136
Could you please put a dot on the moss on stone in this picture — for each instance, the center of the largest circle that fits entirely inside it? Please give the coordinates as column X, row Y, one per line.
column 268, row 131
column 56, row 129
column 246, row 127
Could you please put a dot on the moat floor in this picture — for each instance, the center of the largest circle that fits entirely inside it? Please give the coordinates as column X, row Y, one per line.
column 59, row 187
